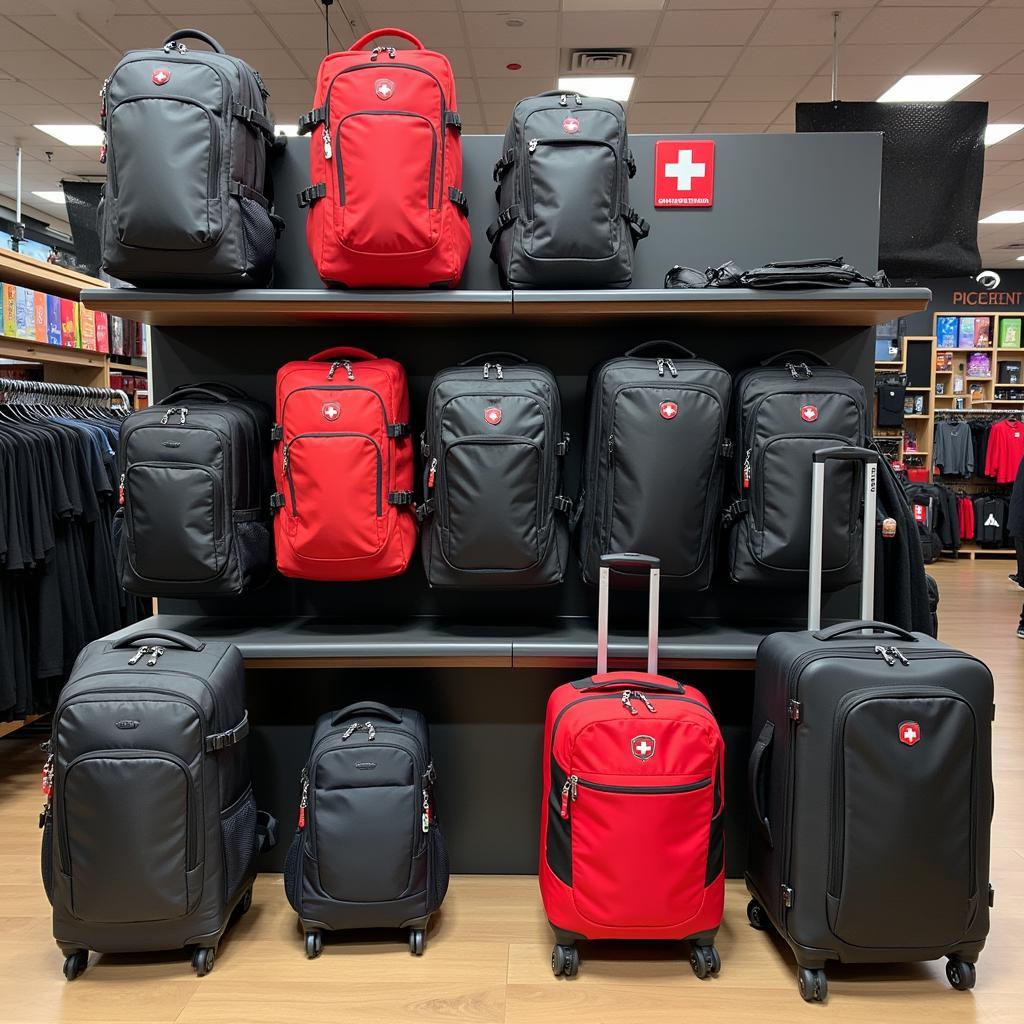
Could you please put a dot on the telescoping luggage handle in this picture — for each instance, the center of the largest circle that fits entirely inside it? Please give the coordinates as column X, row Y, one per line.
column 867, row 580
column 628, row 560
column 170, row 635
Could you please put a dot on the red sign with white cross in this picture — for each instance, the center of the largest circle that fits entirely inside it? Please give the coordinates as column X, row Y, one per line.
column 910, row 733
column 684, row 174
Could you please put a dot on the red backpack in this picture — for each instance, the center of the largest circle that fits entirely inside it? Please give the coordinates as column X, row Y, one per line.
column 386, row 207
column 343, row 467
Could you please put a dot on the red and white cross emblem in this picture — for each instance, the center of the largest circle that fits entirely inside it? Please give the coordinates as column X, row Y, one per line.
column 331, row 411
column 384, row 88
column 161, row 76
column 493, row 415
column 910, row 733
column 642, row 747
column 668, row 410
column 809, row 413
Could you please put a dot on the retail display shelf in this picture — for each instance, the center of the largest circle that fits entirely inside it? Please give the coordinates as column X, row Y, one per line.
column 854, row 307
column 16, row 268
column 425, row 642
column 35, row 351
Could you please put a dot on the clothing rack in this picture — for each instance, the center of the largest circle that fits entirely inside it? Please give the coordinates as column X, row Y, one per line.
column 70, row 394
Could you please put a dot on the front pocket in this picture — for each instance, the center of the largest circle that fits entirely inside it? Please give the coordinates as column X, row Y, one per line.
column 238, row 839
column 173, row 516
column 660, row 824
column 387, row 206
column 165, row 156
column 572, row 199
column 334, row 483
column 491, row 491
column 903, row 835
column 130, row 836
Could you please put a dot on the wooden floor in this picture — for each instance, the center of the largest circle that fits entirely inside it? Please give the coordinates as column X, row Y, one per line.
column 487, row 957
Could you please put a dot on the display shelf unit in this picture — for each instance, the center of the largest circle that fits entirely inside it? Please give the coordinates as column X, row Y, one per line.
column 914, row 350
column 972, row 549
column 16, row 268
column 19, row 723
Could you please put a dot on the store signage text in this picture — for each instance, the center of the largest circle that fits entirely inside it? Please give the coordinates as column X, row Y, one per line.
column 980, row 298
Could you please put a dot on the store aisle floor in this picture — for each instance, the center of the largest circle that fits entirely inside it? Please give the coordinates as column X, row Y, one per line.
column 488, row 951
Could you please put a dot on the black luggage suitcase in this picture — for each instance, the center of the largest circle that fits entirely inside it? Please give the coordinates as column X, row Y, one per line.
column 870, row 787
column 188, row 199
column 784, row 410
column 195, row 485
column 652, row 476
column 493, row 513
column 368, row 851
column 150, row 829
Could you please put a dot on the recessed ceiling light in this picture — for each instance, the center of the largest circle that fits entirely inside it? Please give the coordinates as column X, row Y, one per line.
column 74, row 134
column 291, row 130
column 515, row 22
column 1020, row 259
column 51, row 197
column 926, row 88
column 617, row 87
column 997, row 132
column 1004, row 217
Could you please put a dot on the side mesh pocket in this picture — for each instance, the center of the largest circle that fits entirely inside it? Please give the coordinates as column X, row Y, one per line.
column 252, row 549
column 292, row 875
column 260, row 239
column 46, row 855
column 438, row 869
column 238, row 835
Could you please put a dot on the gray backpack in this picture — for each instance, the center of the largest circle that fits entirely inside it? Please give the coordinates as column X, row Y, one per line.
column 187, row 197
column 563, row 195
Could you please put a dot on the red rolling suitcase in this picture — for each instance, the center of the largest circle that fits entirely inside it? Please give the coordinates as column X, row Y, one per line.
column 632, row 818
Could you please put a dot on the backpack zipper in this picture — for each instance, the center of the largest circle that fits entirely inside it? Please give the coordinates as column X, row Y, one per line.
column 570, row 791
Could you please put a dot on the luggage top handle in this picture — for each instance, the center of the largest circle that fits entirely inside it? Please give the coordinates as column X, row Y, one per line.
column 841, row 453
column 220, row 386
column 207, row 389
column 628, row 560
column 804, row 354
column 482, row 357
column 843, row 628
column 170, row 635
column 660, row 346
column 400, row 33
column 370, row 707
column 193, row 33
column 341, row 352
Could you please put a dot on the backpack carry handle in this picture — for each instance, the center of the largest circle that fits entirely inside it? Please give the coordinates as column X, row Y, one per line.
column 628, row 560
column 804, row 355
column 755, row 779
column 194, row 33
column 194, row 389
column 360, row 43
column 341, row 352
column 222, row 386
column 647, row 346
column 624, row 681
column 844, row 628
column 483, row 357
column 370, row 707
column 170, row 635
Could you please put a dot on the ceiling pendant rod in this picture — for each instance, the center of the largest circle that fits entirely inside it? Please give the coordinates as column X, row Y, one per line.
column 835, row 56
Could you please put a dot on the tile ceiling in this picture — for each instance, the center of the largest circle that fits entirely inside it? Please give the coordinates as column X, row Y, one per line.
column 701, row 65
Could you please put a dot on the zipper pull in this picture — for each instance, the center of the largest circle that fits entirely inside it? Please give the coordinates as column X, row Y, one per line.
column 566, row 791
column 167, row 415
column 348, row 369
column 392, row 52
column 487, row 370
column 370, row 731
column 883, row 652
column 183, row 412
column 376, row 52
column 501, row 376
column 287, row 456
column 120, row 491
column 138, row 655
column 333, row 370
column 425, row 817
column 304, row 800
column 579, row 99
column 533, row 145
column 671, row 367
column 351, row 729
column 611, row 444
column 103, row 102
column 661, row 367
column 47, row 782
column 626, row 695
column 103, row 149
column 328, row 152
column 154, row 653
column 563, row 100
column 431, row 474
column 647, row 703
column 897, row 653
column 746, row 469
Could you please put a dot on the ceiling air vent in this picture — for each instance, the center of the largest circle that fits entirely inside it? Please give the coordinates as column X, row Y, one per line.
column 605, row 62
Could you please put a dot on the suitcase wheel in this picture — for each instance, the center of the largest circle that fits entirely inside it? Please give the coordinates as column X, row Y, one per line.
column 756, row 916
column 813, row 985
column 75, row 964
column 705, row 961
column 565, row 960
column 245, row 903
column 202, row 960
column 961, row 973
column 314, row 944
column 417, row 941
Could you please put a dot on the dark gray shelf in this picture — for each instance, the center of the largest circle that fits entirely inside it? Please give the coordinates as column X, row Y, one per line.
column 426, row 642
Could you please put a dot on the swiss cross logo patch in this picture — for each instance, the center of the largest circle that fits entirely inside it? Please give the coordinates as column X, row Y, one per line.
column 668, row 410
column 920, row 513
column 684, row 174
column 571, row 125
column 331, row 411
column 493, row 415
column 161, row 76
column 384, row 88
column 809, row 413
column 642, row 747
column 910, row 733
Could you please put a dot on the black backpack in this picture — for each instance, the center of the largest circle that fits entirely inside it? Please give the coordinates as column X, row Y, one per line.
column 493, row 445
column 195, row 484
column 150, row 828
column 652, row 477
column 564, row 217
column 368, row 851
column 187, row 198
column 784, row 410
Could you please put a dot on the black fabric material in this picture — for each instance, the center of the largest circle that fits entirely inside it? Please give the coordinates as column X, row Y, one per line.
column 797, row 274
column 946, row 518
column 890, row 405
column 933, row 604
column 1015, row 515
column 932, row 165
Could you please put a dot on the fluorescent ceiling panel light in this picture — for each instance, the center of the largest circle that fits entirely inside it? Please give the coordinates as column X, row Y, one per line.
column 291, row 130
column 617, row 87
column 1020, row 259
column 997, row 132
column 51, row 197
column 1004, row 217
column 73, row 134
column 927, row 88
